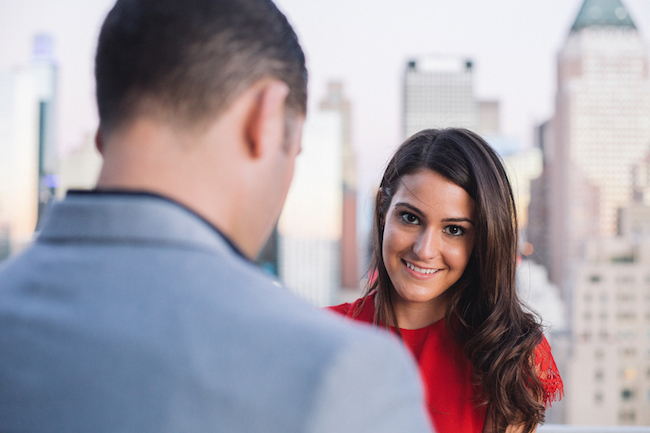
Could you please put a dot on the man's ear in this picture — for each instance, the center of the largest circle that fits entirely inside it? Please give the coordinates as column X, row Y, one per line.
column 99, row 141
column 266, row 122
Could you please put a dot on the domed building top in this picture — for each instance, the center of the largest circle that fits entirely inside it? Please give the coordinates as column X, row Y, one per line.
column 602, row 13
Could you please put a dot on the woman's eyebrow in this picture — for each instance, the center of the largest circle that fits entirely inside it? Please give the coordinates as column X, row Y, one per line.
column 458, row 220
column 410, row 206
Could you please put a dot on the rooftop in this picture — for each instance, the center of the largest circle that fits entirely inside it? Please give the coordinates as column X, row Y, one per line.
column 602, row 13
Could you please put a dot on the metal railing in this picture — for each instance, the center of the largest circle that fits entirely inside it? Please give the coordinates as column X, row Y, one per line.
column 565, row 428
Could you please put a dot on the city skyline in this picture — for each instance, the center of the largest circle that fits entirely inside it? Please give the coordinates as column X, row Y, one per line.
column 513, row 45
column 591, row 127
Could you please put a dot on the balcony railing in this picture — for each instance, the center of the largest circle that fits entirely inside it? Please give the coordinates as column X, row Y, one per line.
column 564, row 428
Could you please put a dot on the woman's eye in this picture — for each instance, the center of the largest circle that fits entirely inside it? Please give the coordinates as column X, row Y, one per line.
column 454, row 230
column 409, row 218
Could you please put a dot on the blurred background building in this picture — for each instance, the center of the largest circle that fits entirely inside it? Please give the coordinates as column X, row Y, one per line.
column 589, row 217
column 439, row 93
column 28, row 153
column 608, row 379
column 350, row 272
column 611, row 319
column 600, row 129
column 310, row 228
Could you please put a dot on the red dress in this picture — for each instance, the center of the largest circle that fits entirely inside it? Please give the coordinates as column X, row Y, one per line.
column 453, row 401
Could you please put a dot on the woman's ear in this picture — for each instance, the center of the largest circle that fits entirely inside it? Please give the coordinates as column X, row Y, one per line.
column 265, row 128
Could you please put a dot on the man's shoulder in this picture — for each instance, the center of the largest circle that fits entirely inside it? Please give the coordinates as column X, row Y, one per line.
column 204, row 321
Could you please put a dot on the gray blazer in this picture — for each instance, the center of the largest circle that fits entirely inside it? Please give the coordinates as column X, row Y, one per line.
column 132, row 314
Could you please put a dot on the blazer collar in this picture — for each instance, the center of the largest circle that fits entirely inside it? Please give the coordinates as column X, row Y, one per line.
column 130, row 217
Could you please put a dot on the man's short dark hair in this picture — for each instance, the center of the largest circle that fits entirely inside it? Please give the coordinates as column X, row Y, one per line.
column 186, row 60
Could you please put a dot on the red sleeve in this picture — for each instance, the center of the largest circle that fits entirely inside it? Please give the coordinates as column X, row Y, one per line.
column 548, row 373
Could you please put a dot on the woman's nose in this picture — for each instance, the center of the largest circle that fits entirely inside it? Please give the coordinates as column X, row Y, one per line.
column 427, row 245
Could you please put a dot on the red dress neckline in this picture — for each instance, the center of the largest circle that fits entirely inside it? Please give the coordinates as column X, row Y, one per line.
column 452, row 397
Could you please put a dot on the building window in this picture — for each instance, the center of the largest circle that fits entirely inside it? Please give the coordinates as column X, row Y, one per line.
column 595, row 278
column 628, row 351
column 627, row 416
column 626, row 315
column 626, row 334
column 630, row 373
column 599, row 397
column 599, row 375
column 625, row 279
column 599, row 354
column 625, row 297
column 627, row 394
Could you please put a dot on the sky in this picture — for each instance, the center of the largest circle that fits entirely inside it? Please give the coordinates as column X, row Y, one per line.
column 363, row 43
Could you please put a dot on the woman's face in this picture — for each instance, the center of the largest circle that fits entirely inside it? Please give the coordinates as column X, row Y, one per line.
column 428, row 239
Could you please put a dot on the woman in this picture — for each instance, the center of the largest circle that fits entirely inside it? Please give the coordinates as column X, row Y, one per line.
column 445, row 247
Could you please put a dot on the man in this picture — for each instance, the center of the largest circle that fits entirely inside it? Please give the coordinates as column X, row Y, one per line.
column 138, row 308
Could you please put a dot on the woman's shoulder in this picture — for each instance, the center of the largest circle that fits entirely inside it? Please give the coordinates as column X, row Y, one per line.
column 548, row 373
column 363, row 309
column 342, row 309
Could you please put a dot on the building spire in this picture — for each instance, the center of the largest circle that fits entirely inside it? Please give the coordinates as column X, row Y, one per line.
column 602, row 13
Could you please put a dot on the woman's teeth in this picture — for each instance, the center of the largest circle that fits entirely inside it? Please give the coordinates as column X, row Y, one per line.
column 421, row 270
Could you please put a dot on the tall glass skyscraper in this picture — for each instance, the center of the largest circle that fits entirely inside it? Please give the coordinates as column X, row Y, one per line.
column 601, row 128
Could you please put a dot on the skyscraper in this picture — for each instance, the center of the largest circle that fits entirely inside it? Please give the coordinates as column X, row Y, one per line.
column 608, row 379
column 310, row 227
column 439, row 93
column 44, row 70
column 27, row 142
column 601, row 128
column 337, row 102
column 592, row 175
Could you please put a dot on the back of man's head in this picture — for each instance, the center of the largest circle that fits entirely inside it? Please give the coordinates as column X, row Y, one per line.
column 184, row 61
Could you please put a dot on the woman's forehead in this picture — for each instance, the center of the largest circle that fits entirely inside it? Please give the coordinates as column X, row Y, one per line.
column 430, row 192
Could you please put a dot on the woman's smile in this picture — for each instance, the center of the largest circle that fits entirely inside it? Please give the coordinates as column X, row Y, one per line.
column 418, row 271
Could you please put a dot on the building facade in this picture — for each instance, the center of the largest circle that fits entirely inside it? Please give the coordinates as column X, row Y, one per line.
column 310, row 227
column 609, row 371
column 27, row 143
column 601, row 128
column 587, row 217
column 439, row 93
column 336, row 101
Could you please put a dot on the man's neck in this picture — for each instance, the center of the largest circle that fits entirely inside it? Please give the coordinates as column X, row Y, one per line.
column 187, row 168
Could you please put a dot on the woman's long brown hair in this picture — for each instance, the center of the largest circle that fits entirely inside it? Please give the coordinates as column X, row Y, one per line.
column 485, row 315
